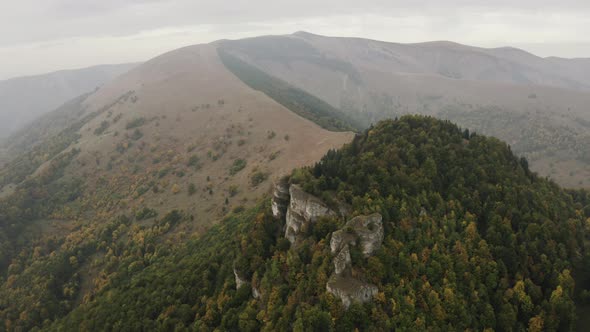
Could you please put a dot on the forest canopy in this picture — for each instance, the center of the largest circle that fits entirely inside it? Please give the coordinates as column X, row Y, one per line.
column 473, row 240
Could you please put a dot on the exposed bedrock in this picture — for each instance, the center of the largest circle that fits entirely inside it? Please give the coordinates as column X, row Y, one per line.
column 280, row 199
column 304, row 209
column 368, row 230
column 349, row 290
column 367, row 233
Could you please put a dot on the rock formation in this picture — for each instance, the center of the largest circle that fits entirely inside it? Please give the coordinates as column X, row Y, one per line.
column 299, row 210
column 255, row 293
column 367, row 229
column 239, row 280
column 367, row 233
column 280, row 199
column 342, row 261
column 303, row 210
column 349, row 289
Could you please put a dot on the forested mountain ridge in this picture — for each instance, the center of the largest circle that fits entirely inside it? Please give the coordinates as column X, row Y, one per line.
column 472, row 239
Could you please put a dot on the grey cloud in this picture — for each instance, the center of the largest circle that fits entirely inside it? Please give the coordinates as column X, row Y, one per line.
column 32, row 21
column 79, row 33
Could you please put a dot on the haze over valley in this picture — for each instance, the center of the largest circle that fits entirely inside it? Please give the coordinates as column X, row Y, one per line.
column 24, row 99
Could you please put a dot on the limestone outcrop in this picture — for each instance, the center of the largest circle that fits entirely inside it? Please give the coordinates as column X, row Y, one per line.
column 300, row 210
column 255, row 293
column 367, row 229
column 303, row 210
column 367, row 233
column 342, row 261
column 239, row 280
column 350, row 290
column 280, row 199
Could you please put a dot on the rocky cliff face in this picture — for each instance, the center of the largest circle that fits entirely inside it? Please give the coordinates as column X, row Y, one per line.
column 367, row 233
column 280, row 199
column 300, row 210
column 351, row 290
column 239, row 280
column 342, row 261
column 367, row 229
column 303, row 210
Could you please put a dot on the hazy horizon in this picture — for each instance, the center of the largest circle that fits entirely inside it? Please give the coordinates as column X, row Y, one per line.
column 51, row 71
column 70, row 34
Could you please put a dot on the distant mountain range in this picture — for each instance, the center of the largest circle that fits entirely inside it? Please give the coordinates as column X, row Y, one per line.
column 538, row 105
column 23, row 99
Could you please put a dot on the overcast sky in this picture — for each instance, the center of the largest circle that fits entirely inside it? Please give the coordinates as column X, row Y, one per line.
column 38, row 36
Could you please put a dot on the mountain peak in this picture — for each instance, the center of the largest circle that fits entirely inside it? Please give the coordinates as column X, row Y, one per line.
column 305, row 34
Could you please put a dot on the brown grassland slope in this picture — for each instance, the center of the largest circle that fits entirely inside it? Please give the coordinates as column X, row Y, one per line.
column 181, row 132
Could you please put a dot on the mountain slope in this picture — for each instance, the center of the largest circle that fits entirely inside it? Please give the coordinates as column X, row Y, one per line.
column 23, row 99
column 186, row 104
column 165, row 150
column 472, row 239
column 453, row 60
column 158, row 116
column 482, row 89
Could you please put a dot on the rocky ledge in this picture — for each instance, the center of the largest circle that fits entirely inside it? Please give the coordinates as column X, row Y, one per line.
column 299, row 210
column 367, row 229
column 367, row 233
column 350, row 290
column 280, row 198
column 303, row 210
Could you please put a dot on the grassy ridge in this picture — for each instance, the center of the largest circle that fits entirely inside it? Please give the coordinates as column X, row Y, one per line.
column 297, row 100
